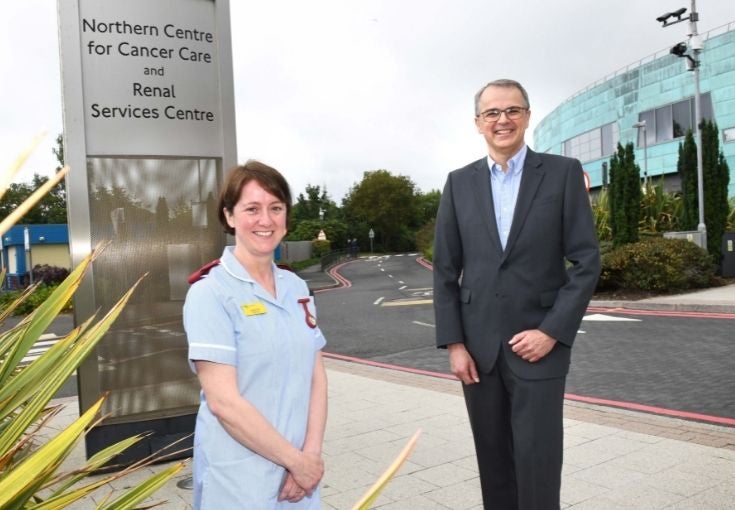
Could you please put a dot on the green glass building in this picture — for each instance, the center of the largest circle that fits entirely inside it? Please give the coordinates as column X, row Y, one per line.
column 658, row 90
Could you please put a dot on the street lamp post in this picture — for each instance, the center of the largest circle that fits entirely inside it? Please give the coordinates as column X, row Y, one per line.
column 680, row 50
column 639, row 125
column 29, row 253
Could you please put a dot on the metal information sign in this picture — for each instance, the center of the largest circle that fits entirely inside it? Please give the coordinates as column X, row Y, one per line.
column 149, row 129
column 148, row 71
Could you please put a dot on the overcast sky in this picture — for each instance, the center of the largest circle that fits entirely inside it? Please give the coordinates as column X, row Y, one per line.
column 325, row 90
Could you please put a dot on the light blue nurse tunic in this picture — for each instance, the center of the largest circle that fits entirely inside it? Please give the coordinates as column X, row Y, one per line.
column 231, row 319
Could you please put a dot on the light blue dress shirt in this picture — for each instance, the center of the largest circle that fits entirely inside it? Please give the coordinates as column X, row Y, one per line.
column 229, row 318
column 505, row 186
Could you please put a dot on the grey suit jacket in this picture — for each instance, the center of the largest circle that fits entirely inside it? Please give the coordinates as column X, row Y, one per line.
column 483, row 295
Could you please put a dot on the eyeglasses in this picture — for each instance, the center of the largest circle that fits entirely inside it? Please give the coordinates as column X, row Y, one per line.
column 511, row 113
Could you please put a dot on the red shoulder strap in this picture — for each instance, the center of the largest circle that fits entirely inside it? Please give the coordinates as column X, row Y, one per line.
column 202, row 271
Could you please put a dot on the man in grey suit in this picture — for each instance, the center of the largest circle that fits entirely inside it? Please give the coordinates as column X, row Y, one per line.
column 516, row 261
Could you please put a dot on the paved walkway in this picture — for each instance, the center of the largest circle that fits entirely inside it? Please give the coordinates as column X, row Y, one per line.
column 614, row 459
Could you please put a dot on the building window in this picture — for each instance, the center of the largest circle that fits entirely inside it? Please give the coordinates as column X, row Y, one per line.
column 609, row 135
column 728, row 135
column 673, row 120
column 683, row 113
column 594, row 144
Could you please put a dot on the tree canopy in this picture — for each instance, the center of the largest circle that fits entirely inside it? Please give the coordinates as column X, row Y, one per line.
column 51, row 208
column 386, row 203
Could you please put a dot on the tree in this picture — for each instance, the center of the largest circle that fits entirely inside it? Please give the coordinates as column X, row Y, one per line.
column 308, row 230
column 308, row 207
column 50, row 209
column 715, row 181
column 306, row 222
column 625, row 196
column 59, row 151
column 385, row 203
column 716, row 178
column 687, row 168
column 427, row 206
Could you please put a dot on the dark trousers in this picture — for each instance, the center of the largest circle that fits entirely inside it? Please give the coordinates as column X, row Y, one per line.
column 518, row 432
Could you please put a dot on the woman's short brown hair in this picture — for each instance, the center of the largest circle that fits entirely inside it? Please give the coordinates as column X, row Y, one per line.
column 268, row 178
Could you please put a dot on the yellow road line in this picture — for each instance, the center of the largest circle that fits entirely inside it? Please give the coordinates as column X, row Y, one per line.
column 409, row 302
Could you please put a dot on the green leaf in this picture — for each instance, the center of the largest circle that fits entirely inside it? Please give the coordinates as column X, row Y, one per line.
column 36, row 466
column 61, row 372
column 95, row 462
column 39, row 320
column 137, row 494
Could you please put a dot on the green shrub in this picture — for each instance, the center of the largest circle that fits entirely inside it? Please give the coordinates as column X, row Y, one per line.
column 657, row 264
column 32, row 302
column 425, row 239
column 303, row 264
column 429, row 254
column 319, row 248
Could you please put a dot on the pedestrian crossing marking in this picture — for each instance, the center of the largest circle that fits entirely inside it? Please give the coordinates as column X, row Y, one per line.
column 42, row 345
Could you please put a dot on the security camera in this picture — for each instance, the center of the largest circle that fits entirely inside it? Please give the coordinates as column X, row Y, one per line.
column 678, row 13
column 665, row 18
column 679, row 49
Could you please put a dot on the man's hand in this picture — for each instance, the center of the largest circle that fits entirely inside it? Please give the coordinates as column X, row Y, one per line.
column 461, row 364
column 532, row 344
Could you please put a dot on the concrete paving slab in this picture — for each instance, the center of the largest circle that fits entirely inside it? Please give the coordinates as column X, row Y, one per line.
column 613, row 458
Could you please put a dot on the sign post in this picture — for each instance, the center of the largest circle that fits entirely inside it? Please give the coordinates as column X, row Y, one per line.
column 371, row 235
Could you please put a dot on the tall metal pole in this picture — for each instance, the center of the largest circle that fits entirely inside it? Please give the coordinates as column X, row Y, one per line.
column 696, row 48
column 645, row 155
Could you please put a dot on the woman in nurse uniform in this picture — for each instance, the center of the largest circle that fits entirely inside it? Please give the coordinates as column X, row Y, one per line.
column 256, row 349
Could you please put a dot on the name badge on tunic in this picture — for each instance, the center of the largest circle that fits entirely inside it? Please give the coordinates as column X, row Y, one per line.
column 253, row 309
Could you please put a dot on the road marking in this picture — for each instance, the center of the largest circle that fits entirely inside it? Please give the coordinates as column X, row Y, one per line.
column 598, row 317
column 378, row 301
column 390, row 276
column 401, row 282
column 382, row 269
column 422, row 292
column 424, row 324
column 42, row 345
column 401, row 288
column 408, row 302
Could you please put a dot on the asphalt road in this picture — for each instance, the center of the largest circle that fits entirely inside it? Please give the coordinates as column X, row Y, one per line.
column 678, row 363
